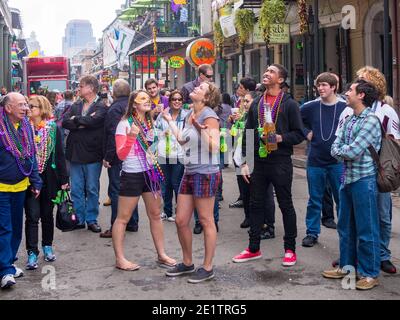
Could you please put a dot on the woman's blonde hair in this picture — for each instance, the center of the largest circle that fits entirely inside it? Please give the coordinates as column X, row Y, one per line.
column 374, row 76
column 212, row 97
column 46, row 110
column 389, row 101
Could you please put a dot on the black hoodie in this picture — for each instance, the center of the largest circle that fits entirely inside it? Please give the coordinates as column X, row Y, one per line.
column 289, row 126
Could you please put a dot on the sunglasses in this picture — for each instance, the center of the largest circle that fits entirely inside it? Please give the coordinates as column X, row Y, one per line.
column 208, row 76
column 176, row 99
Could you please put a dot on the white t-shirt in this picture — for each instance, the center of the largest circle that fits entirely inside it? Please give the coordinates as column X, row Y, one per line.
column 384, row 112
column 136, row 161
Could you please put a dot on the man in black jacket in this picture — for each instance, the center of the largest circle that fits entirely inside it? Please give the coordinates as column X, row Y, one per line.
column 85, row 121
column 275, row 167
column 121, row 91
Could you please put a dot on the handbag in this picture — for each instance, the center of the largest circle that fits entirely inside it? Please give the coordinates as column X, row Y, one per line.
column 66, row 218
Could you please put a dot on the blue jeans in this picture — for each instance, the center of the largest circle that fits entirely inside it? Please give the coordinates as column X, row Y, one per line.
column 173, row 175
column 114, row 175
column 317, row 178
column 358, row 227
column 85, row 186
column 385, row 219
column 11, row 217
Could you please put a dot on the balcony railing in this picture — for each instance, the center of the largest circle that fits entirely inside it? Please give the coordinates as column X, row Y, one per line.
column 171, row 29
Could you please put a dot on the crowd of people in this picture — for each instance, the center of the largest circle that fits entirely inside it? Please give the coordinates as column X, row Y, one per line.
column 171, row 146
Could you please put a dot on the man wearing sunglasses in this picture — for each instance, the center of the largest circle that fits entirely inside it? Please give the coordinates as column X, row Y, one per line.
column 206, row 74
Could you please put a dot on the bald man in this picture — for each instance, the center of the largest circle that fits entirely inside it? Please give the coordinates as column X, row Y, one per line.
column 18, row 174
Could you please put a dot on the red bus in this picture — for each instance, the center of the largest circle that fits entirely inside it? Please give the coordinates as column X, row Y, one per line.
column 48, row 73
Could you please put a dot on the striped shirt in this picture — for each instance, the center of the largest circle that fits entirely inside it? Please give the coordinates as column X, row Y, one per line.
column 351, row 145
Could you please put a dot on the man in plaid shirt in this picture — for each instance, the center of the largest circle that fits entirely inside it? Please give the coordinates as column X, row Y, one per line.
column 358, row 224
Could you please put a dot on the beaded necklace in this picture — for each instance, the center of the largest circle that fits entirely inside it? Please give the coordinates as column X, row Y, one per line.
column 262, row 150
column 155, row 174
column 45, row 143
column 274, row 111
column 18, row 142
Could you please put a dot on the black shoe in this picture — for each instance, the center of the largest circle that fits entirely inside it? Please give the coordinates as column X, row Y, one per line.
column 201, row 275
column 179, row 270
column 197, row 228
column 329, row 224
column 267, row 233
column 133, row 228
column 79, row 226
column 220, row 198
column 216, row 226
column 309, row 241
column 388, row 267
column 236, row 204
column 245, row 224
column 94, row 227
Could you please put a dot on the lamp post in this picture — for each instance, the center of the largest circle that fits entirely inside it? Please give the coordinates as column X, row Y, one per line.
column 387, row 56
column 309, row 44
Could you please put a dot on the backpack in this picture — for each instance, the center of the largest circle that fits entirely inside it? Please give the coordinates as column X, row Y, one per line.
column 388, row 163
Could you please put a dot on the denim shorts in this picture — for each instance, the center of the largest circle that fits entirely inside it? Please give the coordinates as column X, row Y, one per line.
column 200, row 185
column 134, row 184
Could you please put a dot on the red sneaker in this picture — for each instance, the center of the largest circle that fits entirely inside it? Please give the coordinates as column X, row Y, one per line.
column 289, row 259
column 246, row 255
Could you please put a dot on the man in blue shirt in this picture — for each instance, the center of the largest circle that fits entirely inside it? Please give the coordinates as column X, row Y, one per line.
column 320, row 118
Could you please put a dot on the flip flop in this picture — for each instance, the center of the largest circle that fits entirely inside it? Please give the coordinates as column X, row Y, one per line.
column 128, row 269
column 165, row 264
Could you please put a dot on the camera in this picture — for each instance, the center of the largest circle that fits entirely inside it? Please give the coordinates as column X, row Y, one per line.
column 103, row 95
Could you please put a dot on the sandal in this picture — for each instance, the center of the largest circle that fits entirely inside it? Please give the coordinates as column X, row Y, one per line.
column 134, row 268
column 165, row 264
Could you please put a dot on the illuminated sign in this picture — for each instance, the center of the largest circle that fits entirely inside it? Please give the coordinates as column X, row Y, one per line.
column 176, row 62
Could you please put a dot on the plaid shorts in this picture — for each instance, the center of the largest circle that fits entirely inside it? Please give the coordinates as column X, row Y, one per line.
column 200, row 185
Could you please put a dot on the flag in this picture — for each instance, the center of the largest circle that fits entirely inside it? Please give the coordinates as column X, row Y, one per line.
column 34, row 54
column 126, row 36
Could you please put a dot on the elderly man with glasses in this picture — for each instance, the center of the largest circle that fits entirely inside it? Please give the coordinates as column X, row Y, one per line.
column 18, row 172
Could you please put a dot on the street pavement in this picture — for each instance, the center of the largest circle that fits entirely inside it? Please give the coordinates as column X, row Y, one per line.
column 85, row 263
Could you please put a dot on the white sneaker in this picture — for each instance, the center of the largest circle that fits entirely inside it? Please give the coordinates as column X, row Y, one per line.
column 18, row 272
column 7, row 281
column 171, row 219
column 163, row 216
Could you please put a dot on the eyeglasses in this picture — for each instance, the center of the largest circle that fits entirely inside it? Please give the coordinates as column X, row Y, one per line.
column 20, row 105
column 31, row 106
column 176, row 99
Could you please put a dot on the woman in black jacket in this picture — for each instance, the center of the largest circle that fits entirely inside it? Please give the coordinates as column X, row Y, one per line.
column 52, row 168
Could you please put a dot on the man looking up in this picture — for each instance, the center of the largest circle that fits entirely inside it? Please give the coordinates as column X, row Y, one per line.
column 274, row 167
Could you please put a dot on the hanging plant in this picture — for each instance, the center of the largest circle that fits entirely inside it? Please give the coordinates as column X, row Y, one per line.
column 244, row 24
column 272, row 11
column 218, row 36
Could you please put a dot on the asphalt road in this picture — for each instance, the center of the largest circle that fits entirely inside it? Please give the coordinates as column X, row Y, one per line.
column 85, row 263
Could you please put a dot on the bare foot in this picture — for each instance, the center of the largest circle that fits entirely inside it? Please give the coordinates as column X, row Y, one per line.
column 166, row 261
column 126, row 265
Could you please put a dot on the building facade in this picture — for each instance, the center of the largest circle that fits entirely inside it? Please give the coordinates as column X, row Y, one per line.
column 78, row 36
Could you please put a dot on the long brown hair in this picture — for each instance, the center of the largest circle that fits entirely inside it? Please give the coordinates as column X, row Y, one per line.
column 131, row 110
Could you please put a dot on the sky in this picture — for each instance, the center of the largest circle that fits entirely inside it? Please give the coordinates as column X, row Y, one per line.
column 48, row 18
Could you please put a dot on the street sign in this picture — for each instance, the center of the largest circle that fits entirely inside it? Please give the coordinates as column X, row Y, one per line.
column 280, row 34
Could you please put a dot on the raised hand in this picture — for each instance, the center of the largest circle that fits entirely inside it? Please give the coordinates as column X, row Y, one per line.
column 166, row 115
column 133, row 131
column 197, row 125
